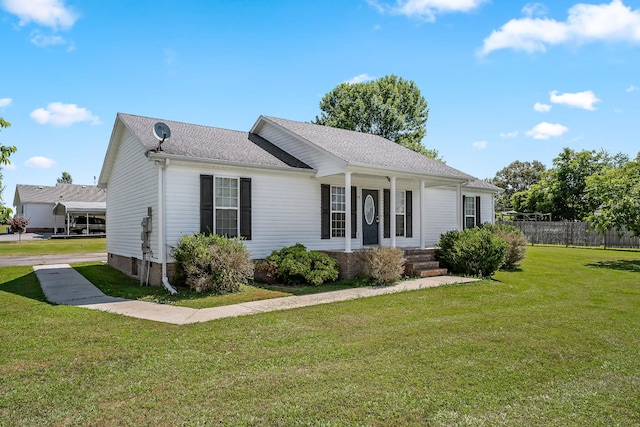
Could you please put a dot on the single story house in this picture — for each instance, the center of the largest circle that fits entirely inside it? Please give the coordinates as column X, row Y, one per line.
column 280, row 183
column 50, row 208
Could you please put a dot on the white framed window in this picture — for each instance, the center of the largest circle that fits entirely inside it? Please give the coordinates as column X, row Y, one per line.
column 226, row 202
column 338, row 212
column 469, row 212
column 401, row 213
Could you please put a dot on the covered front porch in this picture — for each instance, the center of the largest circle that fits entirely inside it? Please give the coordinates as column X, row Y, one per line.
column 390, row 209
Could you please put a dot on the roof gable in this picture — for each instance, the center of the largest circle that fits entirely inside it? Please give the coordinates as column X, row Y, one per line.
column 362, row 149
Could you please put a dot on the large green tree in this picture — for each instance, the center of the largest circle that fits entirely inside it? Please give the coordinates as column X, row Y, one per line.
column 617, row 190
column 389, row 106
column 5, row 152
column 562, row 190
column 515, row 177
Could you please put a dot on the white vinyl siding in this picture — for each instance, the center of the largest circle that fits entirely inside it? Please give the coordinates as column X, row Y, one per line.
column 40, row 215
column 132, row 188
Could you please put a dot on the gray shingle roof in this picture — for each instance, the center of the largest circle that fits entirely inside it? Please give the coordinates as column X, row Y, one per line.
column 483, row 185
column 61, row 192
column 210, row 143
column 367, row 149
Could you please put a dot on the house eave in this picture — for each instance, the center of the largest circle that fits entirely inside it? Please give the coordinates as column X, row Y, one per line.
column 398, row 173
column 184, row 160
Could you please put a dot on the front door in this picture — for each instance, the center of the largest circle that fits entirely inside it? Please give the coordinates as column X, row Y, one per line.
column 370, row 217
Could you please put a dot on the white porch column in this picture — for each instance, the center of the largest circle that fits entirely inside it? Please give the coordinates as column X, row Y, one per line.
column 459, row 206
column 392, row 214
column 347, row 214
column 423, row 214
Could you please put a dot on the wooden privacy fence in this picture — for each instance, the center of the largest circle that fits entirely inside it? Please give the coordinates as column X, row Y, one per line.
column 572, row 233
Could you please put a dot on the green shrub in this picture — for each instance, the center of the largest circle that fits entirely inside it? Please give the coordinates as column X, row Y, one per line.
column 473, row 251
column 383, row 265
column 296, row 266
column 212, row 263
column 516, row 243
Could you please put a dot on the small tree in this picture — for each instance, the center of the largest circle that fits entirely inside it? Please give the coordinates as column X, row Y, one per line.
column 5, row 215
column 19, row 225
column 5, row 152
column 65, row 178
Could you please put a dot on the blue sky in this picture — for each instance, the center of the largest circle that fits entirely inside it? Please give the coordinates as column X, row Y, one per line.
column 505, row 79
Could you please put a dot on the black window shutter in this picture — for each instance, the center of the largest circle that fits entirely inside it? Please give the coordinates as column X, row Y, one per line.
column 325, row 211
column 387, row 213
column 409, row 214
column 206, row 204
column 354, row 212
column 478, row 223
column 464, row 219
column 245, row 208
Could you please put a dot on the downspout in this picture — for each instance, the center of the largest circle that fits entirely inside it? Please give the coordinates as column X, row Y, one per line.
column 459, row 207
column 162, row 244
column 423, row 214
column 392, row 214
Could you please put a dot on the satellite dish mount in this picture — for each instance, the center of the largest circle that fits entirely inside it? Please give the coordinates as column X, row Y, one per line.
column 161, row 131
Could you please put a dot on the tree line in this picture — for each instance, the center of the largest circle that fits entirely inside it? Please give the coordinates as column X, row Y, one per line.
column 586, row 185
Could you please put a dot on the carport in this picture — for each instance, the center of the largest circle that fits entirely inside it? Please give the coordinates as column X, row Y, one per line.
column 67, row 209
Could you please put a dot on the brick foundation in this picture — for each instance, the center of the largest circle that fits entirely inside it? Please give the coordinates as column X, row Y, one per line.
column 349, row 264
column 132, row 267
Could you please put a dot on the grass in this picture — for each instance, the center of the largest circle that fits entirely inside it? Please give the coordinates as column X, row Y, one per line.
column 52, row 247
column 555, row 343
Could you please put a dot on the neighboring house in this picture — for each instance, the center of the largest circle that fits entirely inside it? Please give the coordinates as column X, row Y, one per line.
column 52, row 209
column 281, row 183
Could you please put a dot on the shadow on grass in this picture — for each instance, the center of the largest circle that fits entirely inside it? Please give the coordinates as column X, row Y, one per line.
column 26, row 286
column 116, row 284
column 620, row 265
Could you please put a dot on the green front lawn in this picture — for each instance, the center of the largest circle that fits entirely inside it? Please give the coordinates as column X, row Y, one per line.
column 554, row 344
column 53, row 247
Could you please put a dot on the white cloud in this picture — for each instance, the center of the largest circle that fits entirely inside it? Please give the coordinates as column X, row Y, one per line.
column 360, row 78
column 585, row 23
column 426, row 9
column 59, row 114
column 546, row 130
column 541, row 108
column 39, row 162
column 42, row 40
column 534, row 9
column 632, row 88
column 9, row 167
column 510, row 134
column 584, row 100
column 480, row 145
column 48, row 13
column 5, row 102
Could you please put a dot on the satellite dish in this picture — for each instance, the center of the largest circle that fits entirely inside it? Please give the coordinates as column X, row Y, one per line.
column 161, row 131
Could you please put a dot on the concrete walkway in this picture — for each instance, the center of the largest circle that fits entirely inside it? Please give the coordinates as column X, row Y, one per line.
column 62, row 284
